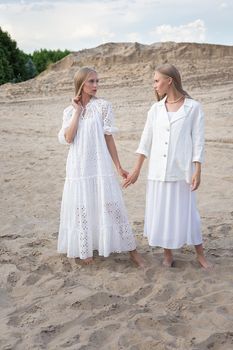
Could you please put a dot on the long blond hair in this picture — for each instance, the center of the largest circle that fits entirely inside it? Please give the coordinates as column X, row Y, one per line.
column 80, row 77
column 171, row 71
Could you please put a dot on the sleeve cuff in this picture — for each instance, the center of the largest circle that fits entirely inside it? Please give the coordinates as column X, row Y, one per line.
column 142, row 151
column 61, row 137
column 110, row 130
column 199, row 160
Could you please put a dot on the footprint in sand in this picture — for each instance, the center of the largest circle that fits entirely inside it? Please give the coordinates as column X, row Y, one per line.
column 113, row 309
column 24, row 315
column 164, row 293
column 97, row 301
column 70, row 342
column 217, row 341
column 10, row 236
column 47, row 334
column 98, row 338
column 13, row 278
column 142, row 293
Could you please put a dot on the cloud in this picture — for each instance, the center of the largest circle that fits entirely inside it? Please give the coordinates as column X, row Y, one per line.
column 190, row 32
column 134, row 37
column 91, row 31
column 67, row 25
column 223, row 5
column 78, row 24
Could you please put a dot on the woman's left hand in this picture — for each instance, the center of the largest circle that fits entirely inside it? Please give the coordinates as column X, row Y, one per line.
column 123, row 173
column 196, row 180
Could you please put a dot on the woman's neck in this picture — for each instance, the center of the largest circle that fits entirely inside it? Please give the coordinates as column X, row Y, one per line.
column 85, row 98
column 173, row 95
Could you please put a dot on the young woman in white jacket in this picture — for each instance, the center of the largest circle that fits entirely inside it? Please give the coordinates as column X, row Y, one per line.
column 173, row 139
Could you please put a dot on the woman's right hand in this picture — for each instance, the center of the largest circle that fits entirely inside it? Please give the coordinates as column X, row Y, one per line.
column 131, row 178
column 76, row 103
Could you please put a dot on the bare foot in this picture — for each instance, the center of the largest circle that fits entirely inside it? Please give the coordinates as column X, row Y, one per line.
column 168, row 258
column 87, row 261
column 204, row 263
column 168, row 264
column 137, row 258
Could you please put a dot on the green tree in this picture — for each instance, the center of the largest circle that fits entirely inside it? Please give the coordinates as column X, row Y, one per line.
column 12, row 60
column 30, row 68
column 6, row 71
column 43, row 58
column 16, row 66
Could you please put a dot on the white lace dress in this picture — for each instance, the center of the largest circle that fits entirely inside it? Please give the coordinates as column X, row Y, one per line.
column 93, row 215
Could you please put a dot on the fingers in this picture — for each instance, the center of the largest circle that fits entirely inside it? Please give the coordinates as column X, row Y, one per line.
column 130, row 179
column 76, row 102
column 125, row 185
column 77, row 98
column 195, row 185
column 127, row 182
column 125, row 174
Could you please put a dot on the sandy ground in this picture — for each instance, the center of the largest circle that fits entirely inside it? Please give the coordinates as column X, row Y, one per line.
column 50, row 302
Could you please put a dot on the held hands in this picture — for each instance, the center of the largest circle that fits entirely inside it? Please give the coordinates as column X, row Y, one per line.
column 123, row 173
column 131, row 178
column 196, row 180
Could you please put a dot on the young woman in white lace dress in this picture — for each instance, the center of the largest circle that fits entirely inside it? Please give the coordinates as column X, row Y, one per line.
column 93, row 215
column 173, row 138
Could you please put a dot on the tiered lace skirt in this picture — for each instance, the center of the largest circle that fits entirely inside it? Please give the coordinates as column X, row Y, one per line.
column 93, row 217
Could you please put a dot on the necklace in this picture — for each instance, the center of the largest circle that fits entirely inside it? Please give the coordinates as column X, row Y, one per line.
column 175, row 100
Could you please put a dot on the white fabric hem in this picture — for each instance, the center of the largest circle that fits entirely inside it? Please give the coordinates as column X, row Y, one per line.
column 105, row 255
column 172, row 246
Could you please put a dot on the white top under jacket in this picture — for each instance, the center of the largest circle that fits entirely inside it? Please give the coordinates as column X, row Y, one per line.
column 173, row 145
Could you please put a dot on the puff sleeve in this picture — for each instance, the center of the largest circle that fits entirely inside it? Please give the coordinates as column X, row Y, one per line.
column 67, row 115
column 108, row 119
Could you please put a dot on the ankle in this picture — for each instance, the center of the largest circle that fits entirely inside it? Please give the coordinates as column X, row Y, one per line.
column 167, row 254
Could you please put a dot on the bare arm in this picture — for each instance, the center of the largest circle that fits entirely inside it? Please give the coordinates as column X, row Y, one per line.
column 71, row 131
column 132, row 177
column 114, row 155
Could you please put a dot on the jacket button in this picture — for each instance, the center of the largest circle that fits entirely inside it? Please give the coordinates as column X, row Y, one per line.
column 166, row 143
column 168, row 129
column 164, row 155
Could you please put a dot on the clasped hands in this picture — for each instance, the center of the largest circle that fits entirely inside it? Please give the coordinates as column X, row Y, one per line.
column 129, row 178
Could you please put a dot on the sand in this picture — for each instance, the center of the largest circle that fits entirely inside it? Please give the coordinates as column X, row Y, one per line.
column 51, row 302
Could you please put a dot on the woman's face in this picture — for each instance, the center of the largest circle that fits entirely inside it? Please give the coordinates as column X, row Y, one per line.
column 91, row 84
column 162, row 83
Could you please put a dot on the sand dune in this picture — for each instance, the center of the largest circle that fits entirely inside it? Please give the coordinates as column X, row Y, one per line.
column 51, row 302
column 131, row 64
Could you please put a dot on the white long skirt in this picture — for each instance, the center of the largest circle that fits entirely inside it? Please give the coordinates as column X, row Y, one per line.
column 171, row 218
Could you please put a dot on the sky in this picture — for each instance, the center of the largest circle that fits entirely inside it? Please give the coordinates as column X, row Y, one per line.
column 76, row 25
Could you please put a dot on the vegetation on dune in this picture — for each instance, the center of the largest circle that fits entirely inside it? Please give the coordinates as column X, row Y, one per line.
column 16, row 66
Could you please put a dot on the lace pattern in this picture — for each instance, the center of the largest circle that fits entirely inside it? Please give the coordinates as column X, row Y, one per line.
column 82, row 225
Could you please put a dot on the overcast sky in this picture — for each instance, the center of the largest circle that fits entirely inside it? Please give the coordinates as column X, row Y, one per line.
column 76, row 25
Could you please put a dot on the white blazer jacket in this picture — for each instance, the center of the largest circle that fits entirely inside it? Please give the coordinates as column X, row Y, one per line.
column 173, row 146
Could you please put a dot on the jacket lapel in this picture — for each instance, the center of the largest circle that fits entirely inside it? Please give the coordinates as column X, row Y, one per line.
column 181, row 113
column 183, row 110
column 164, row 119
